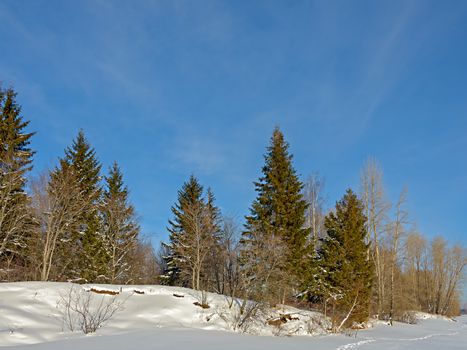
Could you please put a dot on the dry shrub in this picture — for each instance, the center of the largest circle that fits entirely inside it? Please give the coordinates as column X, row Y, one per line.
column 86, row 311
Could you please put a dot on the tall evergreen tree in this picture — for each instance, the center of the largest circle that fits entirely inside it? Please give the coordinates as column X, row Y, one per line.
column 15, row 162
column 189, row 196
column 93, row 262
column 120, row 227
column 279, row 209
column 193, row 235
column 213, row 226
column 347, row 270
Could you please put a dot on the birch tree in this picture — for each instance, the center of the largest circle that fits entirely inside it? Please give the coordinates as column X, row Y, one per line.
column 375, row 208
column 396, row 232
column 58, row 204
column 313, row 194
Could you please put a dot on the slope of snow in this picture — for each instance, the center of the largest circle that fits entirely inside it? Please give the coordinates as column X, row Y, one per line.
column 33, row 312
column 31, row 316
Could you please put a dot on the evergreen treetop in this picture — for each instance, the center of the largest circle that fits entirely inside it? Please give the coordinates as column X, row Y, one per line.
column 115, row 186
column 279, row 208
column 83, row 158
column 15, row 153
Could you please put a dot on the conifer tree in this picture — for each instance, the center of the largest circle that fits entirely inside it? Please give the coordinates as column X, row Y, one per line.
column 213, row 260
column 15, row 162
column 278, row 210
column 347, row 270
column 120, row 227
column 93, row 262
column 193, row 235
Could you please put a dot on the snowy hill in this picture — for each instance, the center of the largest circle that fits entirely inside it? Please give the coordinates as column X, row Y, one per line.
column 34, row 312
column 159, row 317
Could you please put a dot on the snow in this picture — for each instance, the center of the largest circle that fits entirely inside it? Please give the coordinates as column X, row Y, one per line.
column 31, row 317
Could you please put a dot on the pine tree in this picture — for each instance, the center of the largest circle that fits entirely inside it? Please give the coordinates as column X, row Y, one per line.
column 93, row 262
column 278, row 212
column 15, row 162
column 120, row 227
column 193, row 235
column 347, row 271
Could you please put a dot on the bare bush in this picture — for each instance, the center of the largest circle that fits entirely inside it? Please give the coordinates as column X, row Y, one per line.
column 409, row 317
column 241, row 314
column 316, row 323
column 87, row 311
column 202, row 299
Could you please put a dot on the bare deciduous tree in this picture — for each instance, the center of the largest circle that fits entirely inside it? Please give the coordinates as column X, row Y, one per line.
column 225, row 267
column 396, row 232
column 376, row 208
column 198, row 241
column 415, row 246
column 313, row 194
column 263, row 274
column 58, row 205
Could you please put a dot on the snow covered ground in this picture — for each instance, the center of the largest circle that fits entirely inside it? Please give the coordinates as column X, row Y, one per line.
column 32, row 317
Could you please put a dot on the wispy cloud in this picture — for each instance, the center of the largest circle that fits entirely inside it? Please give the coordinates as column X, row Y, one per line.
column 200, row 154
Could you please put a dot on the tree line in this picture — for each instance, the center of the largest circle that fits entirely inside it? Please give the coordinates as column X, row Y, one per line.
column 362, row 258
column 71, row 223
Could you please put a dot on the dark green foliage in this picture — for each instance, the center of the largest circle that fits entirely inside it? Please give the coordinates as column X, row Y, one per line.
column 94, row 260
column 15, row 154
column 279, row 208
column 346, row 270
column 120, row 227
column 15, row 162
column 83, row 158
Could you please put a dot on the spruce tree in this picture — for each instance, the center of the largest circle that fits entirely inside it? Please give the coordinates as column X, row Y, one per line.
column 120, row 227
column 278, row 210
column 347, row 271
column 94, row 258
column 193, row 234
column 189, row 196
column 15, row 162
column 212, row 276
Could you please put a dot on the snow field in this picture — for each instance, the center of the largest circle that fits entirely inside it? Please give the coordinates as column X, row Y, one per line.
column 152, row 317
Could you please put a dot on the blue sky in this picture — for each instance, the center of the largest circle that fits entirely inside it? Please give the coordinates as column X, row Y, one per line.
column 170, row 88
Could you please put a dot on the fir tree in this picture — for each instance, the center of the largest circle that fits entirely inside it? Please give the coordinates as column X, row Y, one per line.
column 15, row 162
column 193, row 234
column 190, row 195
column 212, row 276
column 347, row 271
column 120, row 227
column 278, row 210
column 93, row 262
column 87, row 167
